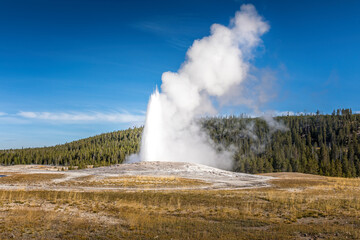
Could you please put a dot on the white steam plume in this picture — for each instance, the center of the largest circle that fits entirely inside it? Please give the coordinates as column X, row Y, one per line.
column 214, row 65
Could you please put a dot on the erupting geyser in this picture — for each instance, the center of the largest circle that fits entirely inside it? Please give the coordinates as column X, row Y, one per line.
column 214, row 65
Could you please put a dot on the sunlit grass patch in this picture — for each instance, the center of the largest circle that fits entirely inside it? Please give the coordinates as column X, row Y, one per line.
column 298, row 183
column 35, row 223
column 150, row 181
column 134, row 182
column 322, row 210
column 23, row 178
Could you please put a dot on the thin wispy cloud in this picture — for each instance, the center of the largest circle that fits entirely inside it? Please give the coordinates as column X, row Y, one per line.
column 110, row 117
column 180, row 37
column 79, row 117
column 279, row 114
column 291, row 113
column 178, row 40
column 287, row 113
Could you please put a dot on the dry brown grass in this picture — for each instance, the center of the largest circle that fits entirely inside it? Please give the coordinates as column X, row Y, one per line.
column 302, row 207
column 133, row 182
column 22, row 178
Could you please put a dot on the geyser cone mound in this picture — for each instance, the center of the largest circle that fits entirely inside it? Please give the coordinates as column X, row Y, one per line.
column 213, row 177
column 129, row 177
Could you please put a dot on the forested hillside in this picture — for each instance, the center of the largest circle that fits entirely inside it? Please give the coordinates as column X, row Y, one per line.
column 319, row 144
column 100, row 150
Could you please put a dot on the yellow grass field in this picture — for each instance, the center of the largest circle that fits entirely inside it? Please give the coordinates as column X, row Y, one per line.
column 295, row 206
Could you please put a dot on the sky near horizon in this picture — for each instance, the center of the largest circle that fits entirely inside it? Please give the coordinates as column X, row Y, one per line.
column 71, row 69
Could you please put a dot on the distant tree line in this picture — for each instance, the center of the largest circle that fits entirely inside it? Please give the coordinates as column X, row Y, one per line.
column 100, row 150
column 319, row 144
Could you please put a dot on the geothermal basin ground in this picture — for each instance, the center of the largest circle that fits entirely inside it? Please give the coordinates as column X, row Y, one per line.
column 167, row 200
column 134, row 176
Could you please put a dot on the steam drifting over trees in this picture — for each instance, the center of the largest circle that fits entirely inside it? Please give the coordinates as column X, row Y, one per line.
column 319, row 144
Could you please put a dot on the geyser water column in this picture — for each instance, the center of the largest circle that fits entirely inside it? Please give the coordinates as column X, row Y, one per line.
column 152, row 140
column 176, row 136
column 214, row 65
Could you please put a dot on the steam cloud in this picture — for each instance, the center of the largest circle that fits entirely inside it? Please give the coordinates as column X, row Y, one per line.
column 214, row 66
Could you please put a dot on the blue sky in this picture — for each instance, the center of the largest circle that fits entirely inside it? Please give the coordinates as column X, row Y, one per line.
column 71, row 69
